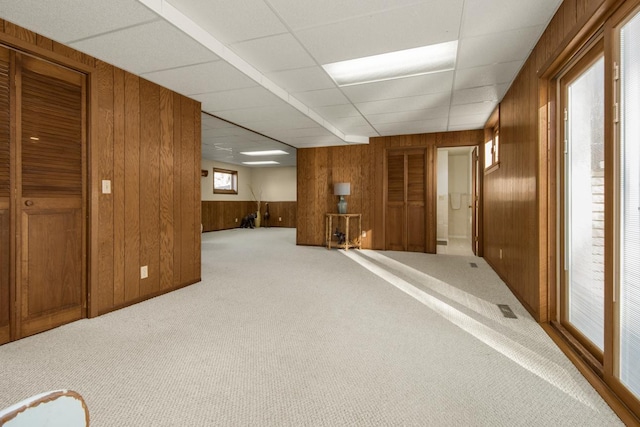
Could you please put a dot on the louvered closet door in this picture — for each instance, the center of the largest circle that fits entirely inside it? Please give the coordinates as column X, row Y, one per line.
column 5, row 216
column 50, row 135
column 405, row 225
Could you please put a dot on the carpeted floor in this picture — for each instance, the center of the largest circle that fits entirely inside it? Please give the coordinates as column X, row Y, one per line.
column 285, row 335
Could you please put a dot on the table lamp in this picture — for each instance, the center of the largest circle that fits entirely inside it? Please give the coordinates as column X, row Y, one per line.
column 342, row 189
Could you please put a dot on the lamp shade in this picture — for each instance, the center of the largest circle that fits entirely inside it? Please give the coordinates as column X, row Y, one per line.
column 342, row 188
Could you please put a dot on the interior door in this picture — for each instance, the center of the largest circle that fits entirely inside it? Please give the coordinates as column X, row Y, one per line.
column 5, row 212
column 50, row 141
column 475, row 201
column 405, row 210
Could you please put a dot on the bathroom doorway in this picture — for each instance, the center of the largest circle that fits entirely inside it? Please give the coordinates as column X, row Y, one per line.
column 454, row 210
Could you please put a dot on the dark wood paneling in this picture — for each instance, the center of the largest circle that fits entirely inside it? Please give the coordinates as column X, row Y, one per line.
column 150, row 151
column 119, row 219
column 166, row 189
column 150, row 185
column 222, row 215
column 131, row 187
column 363, row 166
column 105, row 214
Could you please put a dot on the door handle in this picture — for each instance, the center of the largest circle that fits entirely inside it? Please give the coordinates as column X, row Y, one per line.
column 29, row 203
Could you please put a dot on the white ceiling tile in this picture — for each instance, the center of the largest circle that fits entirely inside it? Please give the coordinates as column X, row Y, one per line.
column 408, row 116
column 69, row 20
column 255, row 114
column 136, row 49
column 239, row 98
column 335, row 111
column 232, row 21
column 473, row 121
column 365, row 130
column 478, row 94
column 405, row 128
column 434, row 100
column 344, row 124
column 399, row 88
column 408, row 27
column 302, row 79
column 487, row 75
column 274, row 53
column 480, row 108
column 299, row 14
column 321, row 98
column 196, row 79
column 504, row 15
column 494, row 48
column 464, row 127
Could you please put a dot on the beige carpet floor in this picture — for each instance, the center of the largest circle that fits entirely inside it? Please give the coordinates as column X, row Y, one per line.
column 284, row 335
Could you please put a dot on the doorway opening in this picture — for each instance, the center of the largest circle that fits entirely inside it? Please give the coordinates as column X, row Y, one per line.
column 454, row 210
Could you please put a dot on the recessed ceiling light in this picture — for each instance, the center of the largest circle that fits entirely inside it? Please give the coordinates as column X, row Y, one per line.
column 264, row 153
column 394, row 65
column 265, row 162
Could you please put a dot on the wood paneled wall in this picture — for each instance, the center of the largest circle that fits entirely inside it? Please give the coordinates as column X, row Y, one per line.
column 363, row 167
column 515, row 195
column 146, row 140
column 222, row 215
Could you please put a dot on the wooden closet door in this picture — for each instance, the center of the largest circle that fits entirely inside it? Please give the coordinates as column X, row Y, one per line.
column 50, row 193
column 395, row 213
column 5, row 212
column 405, row 211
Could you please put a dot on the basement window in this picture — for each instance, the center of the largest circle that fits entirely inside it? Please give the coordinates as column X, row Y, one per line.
column 225, row 181
column 492, row 152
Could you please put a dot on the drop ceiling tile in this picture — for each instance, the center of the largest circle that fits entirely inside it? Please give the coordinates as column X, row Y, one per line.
column 464, row 127
column 479, row 94
column 255, row 114
column 365, row 130
column 494, row 48
column 274, row 53
column 487, row 75
column 344, row 124
column 434, row 100
column 149, row 47
column 232, row 21
column 473, row 121
column 407, row 128
column 69, row 20
column 196, row 79
column 302, row 79
column 504, row 15
column 480, row 108
column 322, row 97
column 336, row 111
column 408, row 27
column 408, row 116
column 298, row 14
column 399, row 88
column 239, row 98
column 300, row 132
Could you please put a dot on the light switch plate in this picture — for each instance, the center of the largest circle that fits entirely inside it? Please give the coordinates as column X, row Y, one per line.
column 106, row 186
column 144, row 272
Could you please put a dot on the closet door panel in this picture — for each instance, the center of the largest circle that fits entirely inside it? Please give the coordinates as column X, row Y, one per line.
column 5, row 215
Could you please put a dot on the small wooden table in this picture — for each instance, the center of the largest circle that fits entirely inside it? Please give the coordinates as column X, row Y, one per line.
column 332, row 219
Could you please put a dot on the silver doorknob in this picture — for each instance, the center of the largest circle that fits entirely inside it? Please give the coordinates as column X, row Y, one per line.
column 29, row 203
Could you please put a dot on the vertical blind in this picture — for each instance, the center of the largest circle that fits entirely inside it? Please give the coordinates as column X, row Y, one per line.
column 630, row 206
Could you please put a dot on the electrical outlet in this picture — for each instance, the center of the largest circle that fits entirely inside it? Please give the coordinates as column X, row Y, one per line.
column 106, row 186
column 236, row 219
column 144, row 272
column 364, row 234
column 500, row 253
column 279, row 218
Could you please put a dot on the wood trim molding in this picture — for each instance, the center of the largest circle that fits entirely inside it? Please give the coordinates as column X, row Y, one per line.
column 609, row 396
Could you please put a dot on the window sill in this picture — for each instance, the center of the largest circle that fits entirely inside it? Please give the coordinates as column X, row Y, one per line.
column 492, row 168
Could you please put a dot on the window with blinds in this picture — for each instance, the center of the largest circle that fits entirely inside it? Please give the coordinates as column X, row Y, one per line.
column 629, row 233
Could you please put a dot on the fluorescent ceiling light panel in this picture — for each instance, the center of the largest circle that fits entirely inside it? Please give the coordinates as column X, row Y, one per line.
column 264, row 153
column 266, row 162
column 394, row 65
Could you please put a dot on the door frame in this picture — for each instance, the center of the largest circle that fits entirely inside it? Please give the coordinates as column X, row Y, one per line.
column 58, row 54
